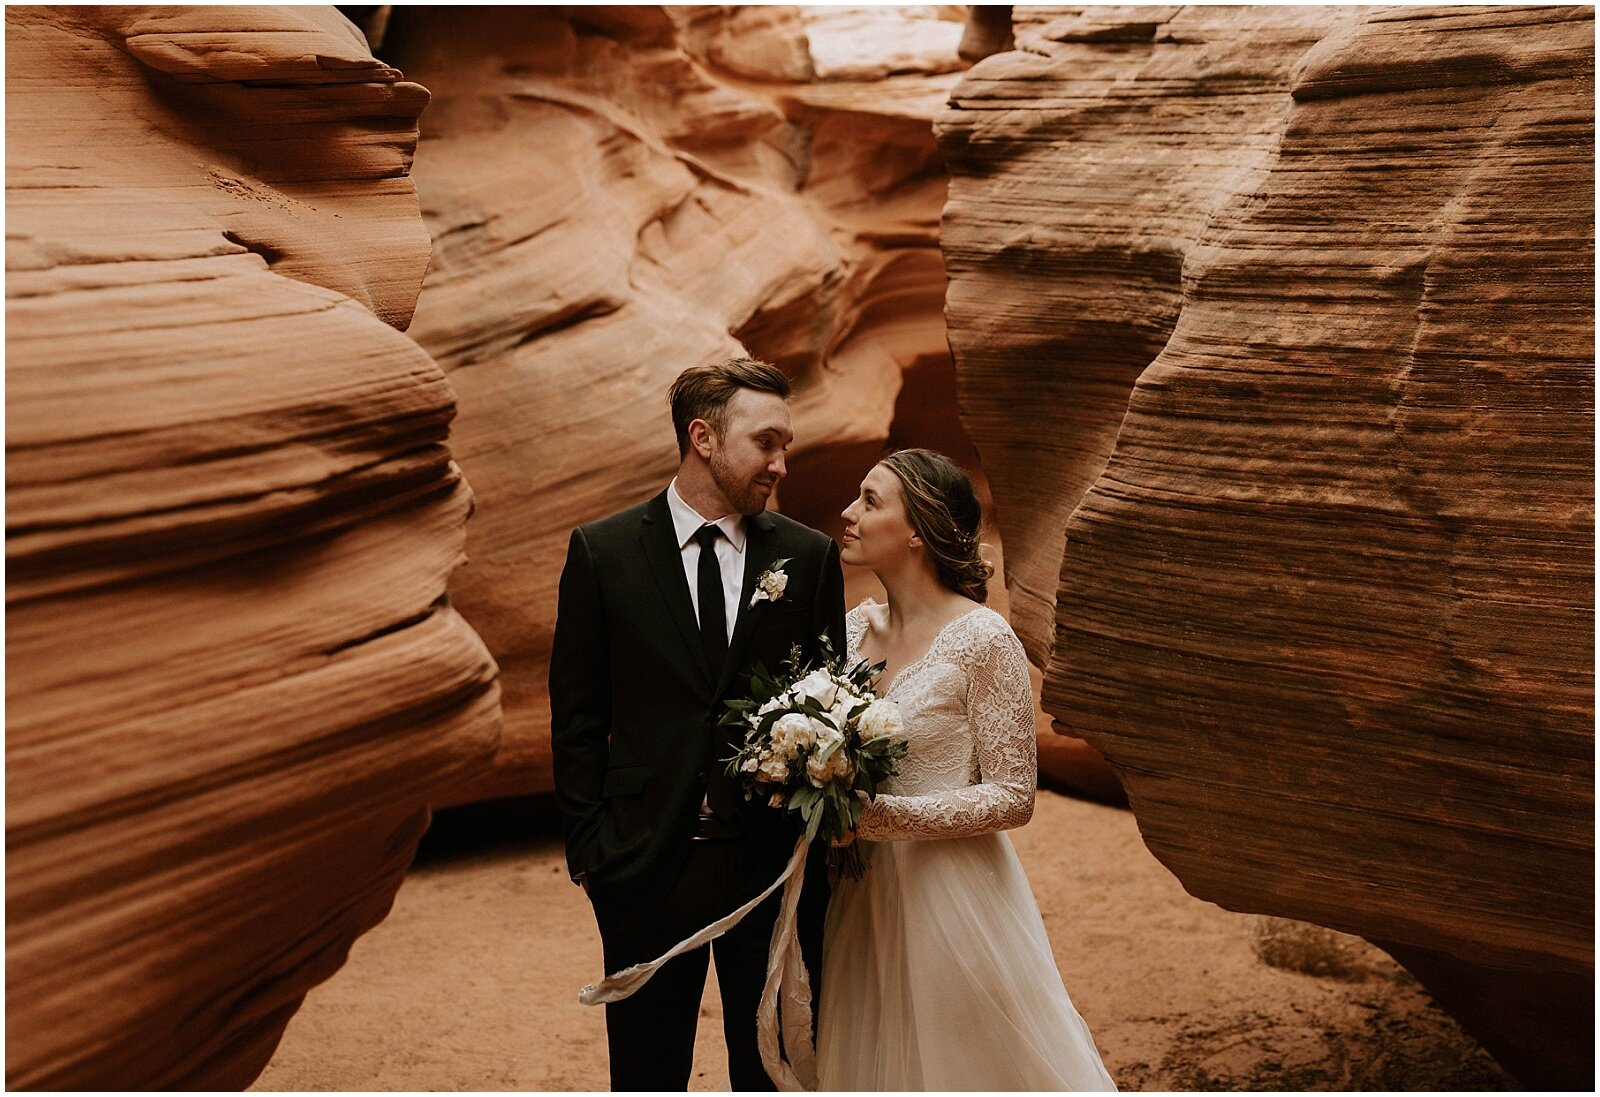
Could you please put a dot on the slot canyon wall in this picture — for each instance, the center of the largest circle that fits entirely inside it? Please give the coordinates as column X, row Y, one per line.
column 234, row 514
column 615, row 194
column 1274, row 331
column 234, row 685
column 1287, row 421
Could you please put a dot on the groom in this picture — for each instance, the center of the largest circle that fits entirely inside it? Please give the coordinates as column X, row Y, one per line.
column 656, row 626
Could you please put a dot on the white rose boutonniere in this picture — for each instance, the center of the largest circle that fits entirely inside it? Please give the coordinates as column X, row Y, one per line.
column 771, row 585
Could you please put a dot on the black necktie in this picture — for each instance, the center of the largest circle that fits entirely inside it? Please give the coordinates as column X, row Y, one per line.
column 713, row 607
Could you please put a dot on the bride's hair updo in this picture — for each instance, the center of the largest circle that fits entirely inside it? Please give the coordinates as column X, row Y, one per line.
column 944, row 511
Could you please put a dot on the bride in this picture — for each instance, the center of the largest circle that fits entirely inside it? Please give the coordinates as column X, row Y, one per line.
column 937, row 974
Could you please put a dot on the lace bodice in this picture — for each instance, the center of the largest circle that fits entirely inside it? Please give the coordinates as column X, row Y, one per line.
column 971, row 765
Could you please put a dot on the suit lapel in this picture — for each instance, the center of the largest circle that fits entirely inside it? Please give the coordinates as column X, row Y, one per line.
column 660, row 543
column 760, row 550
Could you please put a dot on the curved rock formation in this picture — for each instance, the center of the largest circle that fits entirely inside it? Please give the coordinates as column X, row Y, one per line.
column 616, row 194
column 988, row 32
column 1274, row 330
column 234, row 682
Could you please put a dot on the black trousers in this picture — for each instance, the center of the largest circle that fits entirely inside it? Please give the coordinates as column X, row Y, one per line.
column 650, row 1036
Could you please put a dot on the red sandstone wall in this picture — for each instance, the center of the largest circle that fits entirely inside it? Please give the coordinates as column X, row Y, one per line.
column 616, row 194
column 233, row 682
column 1274, row 330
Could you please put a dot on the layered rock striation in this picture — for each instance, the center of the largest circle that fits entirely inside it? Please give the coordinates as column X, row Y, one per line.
column 1274, row 331
column 615, row 194
column 234, row 682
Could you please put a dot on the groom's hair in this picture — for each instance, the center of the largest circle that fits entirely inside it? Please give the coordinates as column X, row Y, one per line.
column 703, row 392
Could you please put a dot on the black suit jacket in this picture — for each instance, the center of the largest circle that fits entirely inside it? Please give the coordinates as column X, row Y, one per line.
column 634, row 707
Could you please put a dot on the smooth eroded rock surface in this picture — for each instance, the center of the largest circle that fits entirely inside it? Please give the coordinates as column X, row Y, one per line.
column 616, row 194
column 1274, row 330
column 234, row 685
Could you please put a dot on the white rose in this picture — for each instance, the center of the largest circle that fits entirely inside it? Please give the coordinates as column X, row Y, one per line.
column 824, row 766
column 794, row 728
column 828, row 736
column 775, row 769
column 772, row 705
column 771, row 585
column 840, row 712
column 751, row 764
column 817, row 768
column 881, row 719
column 819, row 686
column 824, row 769
column 794, row 731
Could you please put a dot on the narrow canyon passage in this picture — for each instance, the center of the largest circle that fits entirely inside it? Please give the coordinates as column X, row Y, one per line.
column 1266, row 332
column 472, row 981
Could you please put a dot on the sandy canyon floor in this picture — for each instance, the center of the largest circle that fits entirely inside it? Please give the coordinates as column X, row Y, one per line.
column 472, row 981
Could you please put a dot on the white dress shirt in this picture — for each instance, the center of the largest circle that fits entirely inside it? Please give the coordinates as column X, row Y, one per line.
column 730, row 553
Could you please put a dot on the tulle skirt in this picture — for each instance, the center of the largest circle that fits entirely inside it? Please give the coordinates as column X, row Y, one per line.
column 937, row 975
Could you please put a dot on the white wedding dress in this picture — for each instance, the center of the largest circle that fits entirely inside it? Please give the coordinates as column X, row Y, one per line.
column 937, row 974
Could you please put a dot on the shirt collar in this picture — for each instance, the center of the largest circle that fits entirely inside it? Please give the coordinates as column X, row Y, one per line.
column 685, row 520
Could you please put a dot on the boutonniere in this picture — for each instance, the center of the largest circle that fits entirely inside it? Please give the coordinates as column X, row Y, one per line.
column 771, row 585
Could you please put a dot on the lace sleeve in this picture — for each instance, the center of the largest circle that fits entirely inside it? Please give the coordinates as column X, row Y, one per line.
column 1000, row 709
column 855, row 627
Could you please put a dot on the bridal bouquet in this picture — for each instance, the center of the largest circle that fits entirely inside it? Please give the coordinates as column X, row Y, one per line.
column 813, row 739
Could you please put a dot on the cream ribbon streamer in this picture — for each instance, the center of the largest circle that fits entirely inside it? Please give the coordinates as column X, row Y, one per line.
column 786, row 972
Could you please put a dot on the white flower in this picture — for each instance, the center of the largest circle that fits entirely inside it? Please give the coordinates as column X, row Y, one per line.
column 817, row 769
column 778, row 800
column 773, row 582
column 840, row 712
column 821, row 768
column 774, row 769
column 828, row 736
column 881, row 719
column 795, row 724
column 751, row 764
column 792, row 732
column 819, row 686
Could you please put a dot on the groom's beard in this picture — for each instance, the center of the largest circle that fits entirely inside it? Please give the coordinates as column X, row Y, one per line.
column 746, row 496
